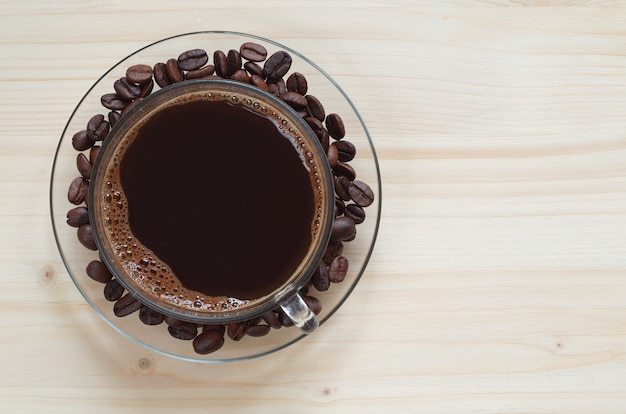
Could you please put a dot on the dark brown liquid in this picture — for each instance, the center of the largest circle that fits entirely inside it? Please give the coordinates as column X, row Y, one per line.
column 221, row 196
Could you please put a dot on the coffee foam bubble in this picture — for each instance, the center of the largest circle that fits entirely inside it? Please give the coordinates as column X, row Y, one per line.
column 146, row 270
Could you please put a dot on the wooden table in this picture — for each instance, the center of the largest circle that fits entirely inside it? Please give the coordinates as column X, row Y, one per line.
column 498, row 281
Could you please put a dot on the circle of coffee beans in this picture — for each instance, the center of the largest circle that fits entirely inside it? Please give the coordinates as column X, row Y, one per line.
column 249, row 64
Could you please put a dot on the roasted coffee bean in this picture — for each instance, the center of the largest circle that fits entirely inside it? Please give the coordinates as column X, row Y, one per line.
column 171, row 321
column 220, row 328
column 346, row 150
column 200, row 73
column 97, row 128
column 313, row 303
column 259, row 82
column 316, row 125
column 126, row 305
column 130, row 106
column 233, row 61
column 83, row 165
column 78, row 190
column 139, row 74
column 77, row 216
column 325, row 140
column 114, row 116
column 146, row 89
column 160, row 75
column 356, row 213
column 236, row 330
column 345, row 170
column 320, row 278
column 277, row 65
column 126, row 89
column 81, row 142
column 208, row 342
column 276, row 88
column 284, row 319
column 186, row 331
column 296, row 82
column 315, row 107
column 85, row 237
column 343, row 229
column 240, row 76
column 335, row 126
column 149, row 316
column 340, row 207
column 172, row 70
column 272, row 319
column 93, row 154
column 98, row 271
column 332, row 155
column 334, row 249
column 257, row 330
column 341, row 188
column 113, row 290
column 192, row 59
column 253, row 69
column 294, row 99
column 113, row 101
column 338, row 269
column 253, row 52
column 221, row 63
column 361, row 193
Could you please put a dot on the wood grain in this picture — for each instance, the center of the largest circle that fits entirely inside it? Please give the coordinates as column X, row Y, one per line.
column 498, row 280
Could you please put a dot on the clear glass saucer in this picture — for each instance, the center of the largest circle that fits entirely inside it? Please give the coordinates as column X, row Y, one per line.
column 76, row 257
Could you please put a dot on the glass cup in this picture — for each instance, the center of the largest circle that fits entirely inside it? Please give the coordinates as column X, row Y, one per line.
column 287, row 296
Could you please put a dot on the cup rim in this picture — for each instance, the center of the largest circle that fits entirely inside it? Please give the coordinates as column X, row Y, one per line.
column 262, row 305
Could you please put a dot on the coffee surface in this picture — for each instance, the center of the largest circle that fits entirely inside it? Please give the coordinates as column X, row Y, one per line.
column 220, row 196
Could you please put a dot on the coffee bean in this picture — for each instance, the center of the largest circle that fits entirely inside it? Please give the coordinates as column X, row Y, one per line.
column 320, row 278
column 171, row 321
column 257, row 330
column 343, row 229
column 77, row 216
column 85, row 237
column 81, row 142
column 335, row 126
column 316, row 125
column 271, row 318
column 208, row 342
column 160, row 75
column 113, row 101
column 149, row 316
column 338, row 269
column 83, row 165
column 130, row 106
column 78, row 190
column 345, row 170
column 98, row 271
column 236, row 330
column 192, row 59
column 340, row 207
column 139, row 74
column 361, row 193
column 172, row 70
column 126, row 89
column 126, row 305
column 113, row 290
column 277, row 65
column 334, row 249
column 233, row 61
column 284, row 319
column 341, row 188
column 346, row 150
column 97, row 128
column 200, row 73
column 296, row 82
column 259, row 82
column 93, row 154
column 146, row 89
column 313, row 303
column 221, row 63
column 315, row 107
column 332, row 155
column 277, row 87
column 186, row 331
column 240, row 76
column 253, row 52
column 356, row 213
column 114, row 116
column 294, row 99
column 253, row 69
column 219, row 328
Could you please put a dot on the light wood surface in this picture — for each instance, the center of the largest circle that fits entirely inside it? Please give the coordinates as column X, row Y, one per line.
column 498, row 283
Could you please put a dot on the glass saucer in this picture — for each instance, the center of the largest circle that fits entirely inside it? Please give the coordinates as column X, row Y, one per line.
column 76, row 257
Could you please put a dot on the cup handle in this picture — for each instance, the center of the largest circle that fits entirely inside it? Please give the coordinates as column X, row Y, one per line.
column 301, row 315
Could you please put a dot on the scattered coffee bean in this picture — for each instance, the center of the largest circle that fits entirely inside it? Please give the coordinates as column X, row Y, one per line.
column 173, row 72
column 334, row 249
column 341, row 188
column 171, row 321
column 97, row 128
column 81, row 142
column 276, row 87
column 236, row 330
column 98, row 271
column 271, row 318
column 338, row 269
column 361, row 193
column 113, row 101
column 340, row 207
column 296, row 82
column 186, row 331
column 315, row 107
column 253, row 52
column 126, row 305
column 77, row 216
column 114, row 116
column 126, row 89
column 78, row 190
column 356, row 213
column 233, row 61
column 257, row 330
column 160, row 75
column 332, row 155
column 254, row 69
column 113, row 291
column 284, row 319
column 320, row 278
column 294, row 99
column 208, row 342
column 277, row 65
column 192, row 59
column 130, row 106
column 221, row 63
column 83, row 165
column 240, row 76
column 335, row 126
column 139, row 74
column 343, row 229
column 313, row 303
column 220, row 328
column 149, row 316
column 146, row 89
column 259, row 82
column 345, row 170
column 346, row 150
column 200, row 73
column 85, row 237
column 93, row 154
